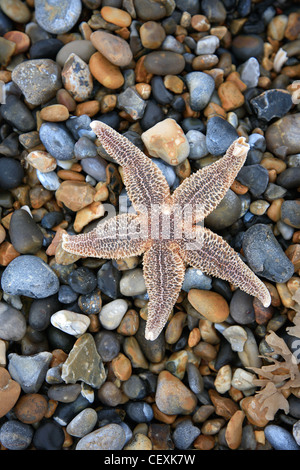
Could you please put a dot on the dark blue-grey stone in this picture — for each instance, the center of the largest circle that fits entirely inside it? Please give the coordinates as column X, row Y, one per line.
column 192, row 6
column 57, row 16
column 167, row 170
column 197, row 142
column 107, row 345
column 201, row 86
column 255, row 177
column 57, row 140
column 84, row 148
column 185, row 433
column 66, row 295
column 51, row 219
column 49, row 436
column 272, row 104
column 214, row 10
column 196, row 279
column 265, row 255
column 280, row 438
column 152, row 115
column 15, row 435
column 82, row 280
column 16, row 113
column 241, row 307
column 29, row 371
column 108, row 278
column 12, row 323
column 139, row 411
column 289, row 178
column 5, row 24
column 25, row 234
column 41, row 310
column 29, row 275
column 11, row 173
column 75, row 124
column 132, row 103
column 45, row 48
column 159, row 91
column 95, row 167
column 219, row 135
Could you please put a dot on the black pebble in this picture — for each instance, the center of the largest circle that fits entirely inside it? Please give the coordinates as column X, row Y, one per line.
column 152, row 115
column 49, row 436
column 16, row 113
column 45, row 49
column 82, row 280
column 11, row 173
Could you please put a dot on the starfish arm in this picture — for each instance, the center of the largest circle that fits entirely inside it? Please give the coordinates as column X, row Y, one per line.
column 164, row 274
column 215, row 257
column 116, row 238
column 144, row 181
column 205, row 189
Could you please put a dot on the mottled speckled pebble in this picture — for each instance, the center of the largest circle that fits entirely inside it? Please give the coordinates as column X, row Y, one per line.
column 15, row 435
column 83, row 423
column 109, row 437
column 29, row 371
column 57, row 140
column 60, row 18
column 280, row 438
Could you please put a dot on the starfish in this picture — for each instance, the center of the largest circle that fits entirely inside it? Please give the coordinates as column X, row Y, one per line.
column 168, row 247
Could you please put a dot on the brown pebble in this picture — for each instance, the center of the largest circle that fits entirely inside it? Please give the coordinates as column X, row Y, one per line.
column 21, row 40
column 274, row 211
column 200, row 23
column 210, row 304
column 108, row 74
column 194, row 337
column 212, row 426
column 230, row 96
column 9, row 392
column 115, row 49
column 174, row 327
column 172, row 396
column 90, row 108
column 213, row 109
column 224, row 406
column 75, row 194
column 7, row 253
column 70, row 175
column 144, row 90
column 239, row 188
column 160, row 416
column 54, row 113
column 116, row 16
column 204, row 61
column 141, row 73
column 121, row 367
column 254, row 411
column 233, row 433
column 2, row 233
column 262, row 314
column 109, row 394
column 31, row 408
column 160, row 436
column 52, row 405
column 63, row 97
column 129, row 323
column 203, row 442
column 292, row 30
column 152, row 34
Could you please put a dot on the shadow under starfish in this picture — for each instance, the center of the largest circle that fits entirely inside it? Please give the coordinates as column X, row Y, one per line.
column 158, row 228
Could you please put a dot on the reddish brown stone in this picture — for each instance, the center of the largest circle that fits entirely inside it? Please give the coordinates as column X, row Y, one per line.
column 31, row 408
column 9, row 392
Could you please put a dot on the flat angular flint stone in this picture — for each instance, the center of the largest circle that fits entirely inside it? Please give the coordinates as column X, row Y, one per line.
column 265, row 255
column 30, row 276
column 29, row 371
column 84, row 363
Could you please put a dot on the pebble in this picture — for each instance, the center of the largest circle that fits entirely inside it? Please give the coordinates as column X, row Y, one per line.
column 57, row 140
column 269, row 262
column 75, row 194
column 9, row 392
column 38, row 79
column 139, row 411
column 210, row 304
column 166, row 140
column 71, row 323
column 207, row 45
column 250, row 72
column 12, row 323
column 280, row 136
column 132, row 283
column 280, row 438
column 45, row 48
column 77, row 78
column 82, row 280
column 109, row 437
column 15, row 435
column 60, row 18
column 234, row 430
column 76, row 368
column 255, row 177
column 290, row 213
column 116, row 16
column 29, row 371
column 245, row 46
column 83, row 423
column 289, row 178
column 112, row 313
column 115, row 49
column 83, row 48
column 172, row 396
column 139, row 442
column 31, row 408
column 132, row 103
column 272, row 104
column 184, row 435
column 223, row 379
column 29, row 275
column 15, row 113
column 49, row 436
column 197, row 143
column 40, row 312
column 152, row 34
column 164, row 63
column 201, row 87
column 241, row 307
column 214, row 10
column 11, row 173
column 108, row 280
column 25, row 234
column 219, row 135
column 108, row 74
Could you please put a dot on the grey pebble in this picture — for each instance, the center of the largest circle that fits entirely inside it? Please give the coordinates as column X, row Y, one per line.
column 255, row 177
column 84, row 148
column 280, row 438
column 83, row 423
column 109, row 437
column 226, row 213
column 94, row 167
column 219, row 135
column 29, row 371
column 185, row 433
column 12, row 323
column 290, row 213
column 241, row 307
column 250, row 72
column 57, row 16
column 24, row 232
column 15, row 435
column 196, row 279
column 57, row 140
column 48, row 180
column 201, row 86
column 197, row 142
column 16, row 113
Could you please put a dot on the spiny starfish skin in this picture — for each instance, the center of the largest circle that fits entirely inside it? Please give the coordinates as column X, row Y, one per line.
column 167, row 253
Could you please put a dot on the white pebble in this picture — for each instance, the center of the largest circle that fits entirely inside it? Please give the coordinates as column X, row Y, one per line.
column 242, row 379
column 112, row 313
column 71, row 323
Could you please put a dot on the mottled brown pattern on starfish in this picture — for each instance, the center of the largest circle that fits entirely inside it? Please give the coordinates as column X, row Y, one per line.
column 165, row 253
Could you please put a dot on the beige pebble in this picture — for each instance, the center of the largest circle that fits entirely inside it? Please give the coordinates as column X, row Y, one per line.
column 115, row 49
column 233, row 433
column 84, row 216
column 116, row 16
column 41, row 160
column 139, row 442
column 54, row 113
column 75, row 194
column 210, row 304
column 223, row 379
column 108, row 74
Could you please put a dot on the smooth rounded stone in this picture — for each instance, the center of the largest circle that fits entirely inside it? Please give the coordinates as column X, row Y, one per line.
column 106, row 73
column 40, row 312
column 64, row 393
column 82, row 280
column 214, row 10
column 185, row 433
column 149, row 10
column 94, row 167
column 280, row 438
column 109, row 437
column 236, row 336
column 83, row 423
column 77, row 78
column 70, row 322
column 5, row 24
column 290, row 213
column 31, row 408
column 45, row 48
column 48, row 180
column 109, row 394
column 107, row 344
column 91, row 303
column 154, row 351
column 255, row 177
column 131, row 102
column 289, row 178
column 49, row 436
column 11, row 173
column 210, row 304
column 265, row 255
column 57, row 16
column 296, row 432
column 83, row 48
column 84, row 363
column 16, row 113
column 241, row 307
column 226, row 213
column 259, row 207
column 57, row 140
column 29, row 275
column 167, row 170
column 132, row 283
column 207, row 45
column 201, row 87
column 12, row 323
column 25, row 234
column 41, row 160
column 113, row 48
column 195, row 379
column 250, row 72
column 15, row 435
column 84, row 148
column 134, row 388
column 66, row 295
column 139, row 442
column 245, row 46
column 272, row 104
column 164, row 63
column 112, row 313
column 160, row 92
column 139, row 411
column 9, row 392
column 16, row 10
column 197, row 143
column 38, row 79
column 29, row 371
column 152, row 34
column 152, row 115
column 170, row 43
column 108, row 280
column 166, row 140
column 172, row 397
column 220, row 134
column 294, row 406
column 273, row 191
column 196, row 279
column 51, row 219
column 281, row 136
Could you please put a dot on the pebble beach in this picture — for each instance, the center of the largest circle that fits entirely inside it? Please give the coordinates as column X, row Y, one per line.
column 76, row 372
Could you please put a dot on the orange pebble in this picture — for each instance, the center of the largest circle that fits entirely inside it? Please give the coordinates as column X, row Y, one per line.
column 70, row 175
column 90, row 108
column 21, row 40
